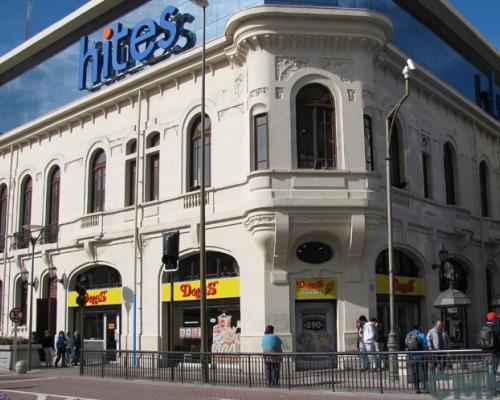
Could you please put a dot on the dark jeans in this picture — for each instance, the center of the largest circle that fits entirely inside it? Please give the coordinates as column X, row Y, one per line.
column 419, row 373
column 61, row 353
column 273, row 373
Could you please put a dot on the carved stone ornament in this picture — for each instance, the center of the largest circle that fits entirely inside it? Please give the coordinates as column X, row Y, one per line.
column 221, row 113
column 351, row 93
column 286, row 67
column 254, row 221
column 262, row 91
column 341, row 67
column 279, row 93
column 425, row 141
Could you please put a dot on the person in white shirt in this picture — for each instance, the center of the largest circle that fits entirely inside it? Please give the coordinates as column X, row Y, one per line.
column 368, row 344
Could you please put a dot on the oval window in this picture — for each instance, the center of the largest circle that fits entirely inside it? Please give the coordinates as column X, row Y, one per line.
column 314, row 252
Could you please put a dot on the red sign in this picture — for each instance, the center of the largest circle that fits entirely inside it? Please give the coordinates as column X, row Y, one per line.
column 16, row 315
column 189, row 290
column 404, row 287
column 94, row 299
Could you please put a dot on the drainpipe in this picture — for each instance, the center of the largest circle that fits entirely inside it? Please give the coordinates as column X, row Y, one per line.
column 136, row 228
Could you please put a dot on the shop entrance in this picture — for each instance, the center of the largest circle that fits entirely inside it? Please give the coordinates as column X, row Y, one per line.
column 407, row 313
column 316, row 326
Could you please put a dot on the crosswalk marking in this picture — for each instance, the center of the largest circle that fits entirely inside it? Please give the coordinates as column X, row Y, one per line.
column 44, row 396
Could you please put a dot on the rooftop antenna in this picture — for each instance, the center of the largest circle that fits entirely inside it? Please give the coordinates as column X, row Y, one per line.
column 29, row 12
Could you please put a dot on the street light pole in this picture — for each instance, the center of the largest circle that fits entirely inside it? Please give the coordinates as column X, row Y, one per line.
column 392, row 343
column 203, row 290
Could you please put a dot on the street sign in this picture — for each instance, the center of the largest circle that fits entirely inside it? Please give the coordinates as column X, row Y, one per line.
column 16, row 315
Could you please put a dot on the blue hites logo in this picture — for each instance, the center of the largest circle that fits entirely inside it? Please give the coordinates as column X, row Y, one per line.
column 125, row 50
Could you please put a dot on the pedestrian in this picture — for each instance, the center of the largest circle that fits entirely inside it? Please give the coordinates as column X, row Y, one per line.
column 489, row 341
column 438, row 340
column 271, row 344
column 416, row 342
column 70, row 348
column 368, row 344
column 76, row 350
column 47, row 347
column 380, row 339
column 61, row 349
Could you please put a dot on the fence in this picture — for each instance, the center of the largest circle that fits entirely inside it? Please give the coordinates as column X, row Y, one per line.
column 453, row 372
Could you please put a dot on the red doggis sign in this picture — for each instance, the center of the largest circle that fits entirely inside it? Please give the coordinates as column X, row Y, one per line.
column 98, row 297
column 403, row 285
column 189, row 290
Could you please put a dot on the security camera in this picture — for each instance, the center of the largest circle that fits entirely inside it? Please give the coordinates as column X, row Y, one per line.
column 410, row 65
column 408, row 68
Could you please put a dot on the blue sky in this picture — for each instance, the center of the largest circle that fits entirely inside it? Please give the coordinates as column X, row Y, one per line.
column 482, row 13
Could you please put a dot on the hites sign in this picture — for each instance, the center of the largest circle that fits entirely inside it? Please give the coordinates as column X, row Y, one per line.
column 127, row 50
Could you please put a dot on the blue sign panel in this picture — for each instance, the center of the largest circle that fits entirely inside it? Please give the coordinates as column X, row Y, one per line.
column 125, row 50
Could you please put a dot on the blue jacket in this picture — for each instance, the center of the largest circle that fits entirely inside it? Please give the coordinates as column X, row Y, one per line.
column 425, row 346
column 270, row 342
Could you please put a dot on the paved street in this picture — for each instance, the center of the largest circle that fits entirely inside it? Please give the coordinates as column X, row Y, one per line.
column 52, row 384
column 66, row 384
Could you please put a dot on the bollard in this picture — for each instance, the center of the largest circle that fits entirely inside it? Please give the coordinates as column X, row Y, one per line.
column 21, row 367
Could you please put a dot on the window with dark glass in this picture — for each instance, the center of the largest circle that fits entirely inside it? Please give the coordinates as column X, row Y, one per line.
column 403, row 265
column 396, row 160
column 195, row 153
column 484, row 189
column 316, row 147
column 101, row 277
column 3, row 215
column 260, row 145
column 426, row 170
column 449, row 174
column 27, row 192
column 218, row 265
column 153, row 167
column 50, row 234
column 98, row 183
column 22, row 298
column 367, row 121
column 490, row 287
column 130, row 172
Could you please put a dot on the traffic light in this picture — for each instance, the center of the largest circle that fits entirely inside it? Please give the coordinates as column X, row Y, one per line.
column 170, row 250
column 81, row 289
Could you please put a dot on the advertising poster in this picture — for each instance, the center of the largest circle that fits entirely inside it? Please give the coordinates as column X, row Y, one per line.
column 226, row 338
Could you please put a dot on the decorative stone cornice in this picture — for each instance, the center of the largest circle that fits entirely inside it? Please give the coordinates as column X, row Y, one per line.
column 254, row 222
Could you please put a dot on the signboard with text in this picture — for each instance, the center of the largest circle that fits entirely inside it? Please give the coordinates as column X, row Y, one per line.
column 98, row 297
column 316, row 289
column 403, row 285
column 216, row 289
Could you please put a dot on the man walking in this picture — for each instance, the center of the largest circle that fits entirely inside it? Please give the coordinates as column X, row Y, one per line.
column 438, row 339
column 416, row 341
column 368, row 344
column 489, row 341
column 47, row 346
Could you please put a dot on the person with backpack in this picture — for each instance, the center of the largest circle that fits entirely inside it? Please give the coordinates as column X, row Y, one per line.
column 61, row 345
column 438, row 339
column 488, row 341
column 416, row 341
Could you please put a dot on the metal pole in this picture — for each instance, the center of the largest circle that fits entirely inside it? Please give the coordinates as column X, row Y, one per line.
column 82, row 338
column 14, row 356
column 171, row 314
column 392, row 343
column 203, row 294
column 33, row 241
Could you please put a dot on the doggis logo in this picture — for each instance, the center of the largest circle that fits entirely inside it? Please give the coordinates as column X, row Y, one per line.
column 189, row 291
column 95, row 299
column 310, row 285
column 124, row 49
column 404, row 287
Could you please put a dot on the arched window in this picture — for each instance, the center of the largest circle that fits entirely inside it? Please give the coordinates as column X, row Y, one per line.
column 218, row 265
column 27, row 193
column 98, row 181
column 21, row 299
column 53, row 205
column 153, row 167
column 130, row 172
column 101, row 276
column 316, row 147
column 490, row 287
column 195, row 152
column 396, row 158
column 484, row 189
column 3, row 216
column 449, row 174
column 403, row 264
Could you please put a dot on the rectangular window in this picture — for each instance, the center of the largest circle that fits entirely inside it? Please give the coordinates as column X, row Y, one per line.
column 131, row 171
column 154, row 176
column 261, row 147
column 368, row 143
column 426, row 165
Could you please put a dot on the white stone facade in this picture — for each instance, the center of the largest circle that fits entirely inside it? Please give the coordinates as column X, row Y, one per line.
column 260, row 217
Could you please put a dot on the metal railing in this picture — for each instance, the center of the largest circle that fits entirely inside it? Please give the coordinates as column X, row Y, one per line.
column 449, row 372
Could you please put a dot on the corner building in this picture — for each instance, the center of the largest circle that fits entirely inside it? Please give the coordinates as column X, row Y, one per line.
column 296, row 98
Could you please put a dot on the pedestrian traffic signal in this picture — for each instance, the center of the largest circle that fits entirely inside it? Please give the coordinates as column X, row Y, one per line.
column 81, row 288
column 170, row 250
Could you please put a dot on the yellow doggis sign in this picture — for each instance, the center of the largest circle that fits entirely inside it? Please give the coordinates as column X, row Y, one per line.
column 403, row 285
column 98, row 297
column 315, row 289
column 216, row 289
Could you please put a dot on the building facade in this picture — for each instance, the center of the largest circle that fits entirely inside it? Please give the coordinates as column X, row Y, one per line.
column 296, row 101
